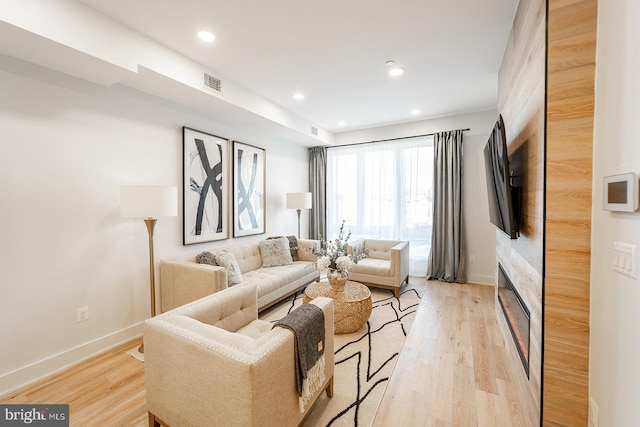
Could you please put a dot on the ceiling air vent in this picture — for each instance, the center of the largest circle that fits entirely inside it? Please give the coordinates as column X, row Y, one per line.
column 212, row 83
column 314, row 130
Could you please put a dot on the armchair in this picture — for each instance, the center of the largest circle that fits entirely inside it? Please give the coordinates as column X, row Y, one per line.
column 213, row 362
column 386, row 266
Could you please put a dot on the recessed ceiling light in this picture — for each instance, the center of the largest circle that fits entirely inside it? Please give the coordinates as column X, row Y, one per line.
column 341, row 123
column 415, row 111
column 396, row 71
column 298, row 95
column 206, row 36
column 390, row 62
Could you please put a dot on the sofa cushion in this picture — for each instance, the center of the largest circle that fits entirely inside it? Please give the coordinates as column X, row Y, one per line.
column 373, row 266
column 256, row 329
column 275, row 252
column 225, row 259
column 274, row 278
column 206, row 257
column 247, row 256
column 379, row 249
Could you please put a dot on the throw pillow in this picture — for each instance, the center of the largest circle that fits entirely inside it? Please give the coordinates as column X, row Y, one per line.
column 293, row 246
column 275, row 252
column 206, row 258
column 225, row 259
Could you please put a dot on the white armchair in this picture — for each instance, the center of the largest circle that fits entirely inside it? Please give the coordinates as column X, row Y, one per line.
column 212, row 362
column 386, row 266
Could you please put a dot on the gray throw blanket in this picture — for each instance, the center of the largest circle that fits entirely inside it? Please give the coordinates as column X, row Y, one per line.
column 307, row 324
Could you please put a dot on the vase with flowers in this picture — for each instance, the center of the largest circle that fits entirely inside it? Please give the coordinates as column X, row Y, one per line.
column 335, row 257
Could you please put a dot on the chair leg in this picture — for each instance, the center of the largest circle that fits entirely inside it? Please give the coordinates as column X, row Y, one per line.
column 153, row 421
column 330, row 388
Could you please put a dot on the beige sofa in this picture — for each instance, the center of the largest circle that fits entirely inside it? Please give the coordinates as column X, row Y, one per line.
column 213, row 363
column 386, row 265
column 182, row 280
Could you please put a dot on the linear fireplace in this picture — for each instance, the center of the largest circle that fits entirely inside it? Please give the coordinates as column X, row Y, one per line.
column 517, row 315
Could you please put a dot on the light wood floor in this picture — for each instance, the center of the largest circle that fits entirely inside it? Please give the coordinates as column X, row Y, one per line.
column 451, row 372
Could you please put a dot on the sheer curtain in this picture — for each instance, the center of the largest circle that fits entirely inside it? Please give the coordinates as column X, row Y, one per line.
column 383, row 190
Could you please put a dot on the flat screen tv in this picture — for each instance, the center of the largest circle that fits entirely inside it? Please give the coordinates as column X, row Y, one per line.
column 499, row 189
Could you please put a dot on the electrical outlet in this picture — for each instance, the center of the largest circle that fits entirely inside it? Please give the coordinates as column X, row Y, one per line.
column 82, row 314
column 593, row 413
column 472, row 258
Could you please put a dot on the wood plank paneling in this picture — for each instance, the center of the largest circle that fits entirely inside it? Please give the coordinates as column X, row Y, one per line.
column 547, row 100
column 571, row 52
column 521, row 99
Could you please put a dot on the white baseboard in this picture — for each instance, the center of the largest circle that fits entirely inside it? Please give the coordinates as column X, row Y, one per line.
column 481, row 280
column 36, row 371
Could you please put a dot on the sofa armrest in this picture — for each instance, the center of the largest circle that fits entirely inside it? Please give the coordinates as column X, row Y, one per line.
column 183, row 281
column 400, row 260
column 354, row 244
column 304, row 249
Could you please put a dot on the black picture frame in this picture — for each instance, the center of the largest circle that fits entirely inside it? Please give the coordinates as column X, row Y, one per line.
column 249, row 189
column 205, row 187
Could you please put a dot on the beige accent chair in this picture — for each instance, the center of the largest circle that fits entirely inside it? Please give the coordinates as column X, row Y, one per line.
column 386, row 266
column 213, row 363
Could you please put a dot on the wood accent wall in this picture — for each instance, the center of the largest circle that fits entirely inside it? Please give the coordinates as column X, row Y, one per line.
column 546, row 97
column 521, row 101
column 571, row 53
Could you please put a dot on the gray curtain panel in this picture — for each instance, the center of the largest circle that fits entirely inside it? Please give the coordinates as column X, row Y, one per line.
column 446, row 260
column 318, row 188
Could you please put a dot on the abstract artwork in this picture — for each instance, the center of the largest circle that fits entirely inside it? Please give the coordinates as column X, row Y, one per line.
column 205, row 187
column 248, row 189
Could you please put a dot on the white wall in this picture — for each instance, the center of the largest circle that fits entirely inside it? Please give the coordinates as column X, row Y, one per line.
column 480, row 234
column 67, row 146
column 615, row 299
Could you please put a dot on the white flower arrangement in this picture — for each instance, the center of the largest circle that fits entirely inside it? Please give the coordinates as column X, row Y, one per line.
column 334, row 254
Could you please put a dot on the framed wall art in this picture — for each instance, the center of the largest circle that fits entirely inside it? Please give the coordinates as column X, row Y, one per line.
column 205, row 187
column 249, row 165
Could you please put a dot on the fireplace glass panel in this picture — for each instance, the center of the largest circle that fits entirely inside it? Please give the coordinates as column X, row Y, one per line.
column 517, row 315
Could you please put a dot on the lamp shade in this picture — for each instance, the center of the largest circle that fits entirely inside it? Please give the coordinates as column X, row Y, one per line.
column 298, row 200
column 148, row 201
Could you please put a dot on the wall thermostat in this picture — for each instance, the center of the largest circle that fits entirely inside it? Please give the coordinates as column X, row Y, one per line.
column 621, row 192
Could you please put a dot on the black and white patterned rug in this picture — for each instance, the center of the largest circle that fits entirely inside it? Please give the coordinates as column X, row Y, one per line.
column 364, row 360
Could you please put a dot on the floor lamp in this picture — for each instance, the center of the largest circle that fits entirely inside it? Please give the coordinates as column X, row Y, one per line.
column 298, row 201
column 149, row 202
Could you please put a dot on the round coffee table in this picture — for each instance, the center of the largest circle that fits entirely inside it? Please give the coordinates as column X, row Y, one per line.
column 352, row 306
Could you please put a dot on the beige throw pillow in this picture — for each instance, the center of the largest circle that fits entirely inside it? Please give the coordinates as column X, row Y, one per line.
column 275, row 252
column 293, row 246
column 225, row 259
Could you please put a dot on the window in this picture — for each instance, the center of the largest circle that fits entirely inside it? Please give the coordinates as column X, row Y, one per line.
column 384, row 191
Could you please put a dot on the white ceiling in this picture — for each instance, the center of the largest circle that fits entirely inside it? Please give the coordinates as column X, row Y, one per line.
column 335, row 52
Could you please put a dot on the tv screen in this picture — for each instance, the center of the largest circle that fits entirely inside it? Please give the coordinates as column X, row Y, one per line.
column 499, row 191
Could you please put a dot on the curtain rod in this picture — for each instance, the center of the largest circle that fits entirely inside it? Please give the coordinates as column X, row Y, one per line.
column 392, row 139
